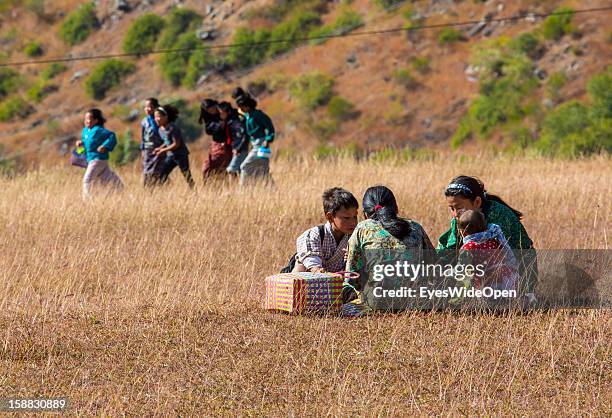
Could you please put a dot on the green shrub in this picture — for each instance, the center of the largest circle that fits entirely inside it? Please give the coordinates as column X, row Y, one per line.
column 296, row 27
column 388, row 4
column 420, row 65
column 569, row 118
column 282, row 8
column 340, row 109
column 40, row 90
column 143, row 33
column 178, row 23
column 9, row 81
column 105, row 76
column 555, row 83
column 526, row 43
column 345, row 23
column 33, row 49
column 174, row 65
column 324, row 128
column 14, row 107
column 463, row 132
column 600, row 91
column 126, row 150
column 53, row 70
column 79, row 24
column 200, row 61
column 404, row 78
column 449, row 36
column 555, row 26
column 506, row 80
column 312, row 90
column 245, row 54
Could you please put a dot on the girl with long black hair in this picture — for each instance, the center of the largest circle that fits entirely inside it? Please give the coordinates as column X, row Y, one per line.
column 383, row 237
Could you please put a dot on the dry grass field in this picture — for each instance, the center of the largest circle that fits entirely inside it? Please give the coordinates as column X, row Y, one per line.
column 149, row 303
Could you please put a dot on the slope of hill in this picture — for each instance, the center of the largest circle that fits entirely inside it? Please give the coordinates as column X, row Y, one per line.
column 406, row 88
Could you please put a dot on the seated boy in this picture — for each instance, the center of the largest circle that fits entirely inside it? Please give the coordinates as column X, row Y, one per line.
column 327, row 253
column 486, row 245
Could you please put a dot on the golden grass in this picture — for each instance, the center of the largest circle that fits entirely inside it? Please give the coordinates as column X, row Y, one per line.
column 150, row 303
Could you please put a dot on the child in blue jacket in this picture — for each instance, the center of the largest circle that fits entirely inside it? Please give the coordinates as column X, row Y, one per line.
column 98, row 143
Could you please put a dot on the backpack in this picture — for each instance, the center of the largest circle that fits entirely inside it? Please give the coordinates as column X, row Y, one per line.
column 291, row 264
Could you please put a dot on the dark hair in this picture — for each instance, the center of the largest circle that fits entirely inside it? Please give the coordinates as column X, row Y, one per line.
column 153, row 101
column 472, row 221
column 239, row 92
column 97, row 115
column 205, row 104
column 337, row 198
column 246, row 101
column 226, row 107
column 170, row 111
column 471, row 188
column 380, row 205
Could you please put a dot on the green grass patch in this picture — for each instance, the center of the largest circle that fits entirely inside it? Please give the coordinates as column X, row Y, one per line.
column 340, row 109
column 40, row 90
column 420, row 65
column 312, row 90
column 449, row 36
column 33, row 49
column 105, row 76
column 404, row 78
column 10, row 81
column 53, row 70
column 14, row 107
column 348, row 21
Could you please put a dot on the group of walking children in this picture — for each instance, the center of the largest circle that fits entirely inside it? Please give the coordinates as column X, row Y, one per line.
column 163, row 147
column 484, row 231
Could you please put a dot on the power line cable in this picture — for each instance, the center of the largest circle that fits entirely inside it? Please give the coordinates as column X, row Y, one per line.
column 308, row 38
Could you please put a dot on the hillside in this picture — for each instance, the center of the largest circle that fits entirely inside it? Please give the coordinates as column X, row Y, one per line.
column 404, row 88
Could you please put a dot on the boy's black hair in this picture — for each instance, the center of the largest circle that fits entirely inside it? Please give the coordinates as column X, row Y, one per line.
column 472, row 222
column 337, row 198
column 154, row 102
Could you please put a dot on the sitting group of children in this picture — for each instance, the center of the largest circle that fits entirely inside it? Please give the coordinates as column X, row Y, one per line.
column 323, row 248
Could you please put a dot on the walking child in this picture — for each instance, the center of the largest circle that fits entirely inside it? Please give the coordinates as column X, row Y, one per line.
column 260, row 132
column 236, row 136
column 150, row 139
